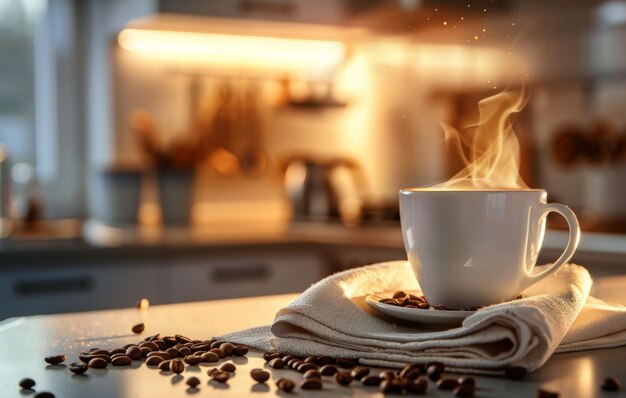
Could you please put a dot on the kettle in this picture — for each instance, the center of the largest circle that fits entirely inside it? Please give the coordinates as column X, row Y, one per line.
column 324, row 190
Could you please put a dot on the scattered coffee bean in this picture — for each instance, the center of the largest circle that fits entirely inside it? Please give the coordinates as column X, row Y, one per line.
column 346, row 363
column 138, row 328
column 466, row 381
column 276, row 363
column 515, row 372
column 44, row 394
column 161, row 354
column 541, row 393
column 27, row 383
column 285, row 385
column 304, row 367
column 294, row 363
column 268, row 356
column 311, row 384
column 98, row 363
column 324, row 360
column 86, row 357
column 227, row 348
column 312, row 374
column 182, row 339
column 371, row 380
column 228, row 367
column 393, row 386
column 193, row 382
column 120, row 350
column 170, row 341
column 412, row 371
column 418, row 386
column 134, row 353
column 221, row 354
column 78, row 368
column 192, row 359
column 55, row 359
column 200, row 347
column 464, row 390
column 447, row 384
column 328, row 370
column 433, row 373
column 184, row 351
column 260, row 375
column 343, row 378
column 209, row 357
column 360, row 372
column 240, row 351
column 122, row 360
column 211, row 372
column 161, row 343
column 288, row 358
column 221, row 377
column 165, row 365
column 154, row 361
column 312, row 360
column 217, row 343
column 610, row 384
column 172, row 351
column 153, row 337
column 177, row 366
column 387, row 374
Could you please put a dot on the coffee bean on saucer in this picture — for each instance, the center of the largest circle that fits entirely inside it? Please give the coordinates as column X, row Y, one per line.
column 399, row 294
column 360, row 372
column 541, row 393
column 328, row 370
column 464, row 390
column 389, row 301
column 177, row 366
column 240, row 351
column 447, row 384
column 311, row 384
column 228, row 367
column 121, row 360
column 27, row 383
column 610, row 384
column 44, row 394
column 466, row 381
column 312, row 374
column 260, row 375
column 78, row 368
column 285, row 384
column 303, row 367
column 98, row 363
column 433, row 372
column 154, row 361
column 343, row 378
column 346, row 363
column 220, row 376
column 138, row 328
column 371, row 380
column 193, row 382
column 417, row 386
column 276, row 363
column 55, row 359
column 515, row 372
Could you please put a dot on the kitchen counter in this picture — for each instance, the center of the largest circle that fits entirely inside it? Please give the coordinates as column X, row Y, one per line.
column 26, row 341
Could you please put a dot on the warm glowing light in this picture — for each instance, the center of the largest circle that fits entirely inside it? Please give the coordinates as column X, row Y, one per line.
column 476, row 37
column 255, row 51
column 445, row 23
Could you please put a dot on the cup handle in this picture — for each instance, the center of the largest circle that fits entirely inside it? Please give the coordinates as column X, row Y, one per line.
column 572, row 243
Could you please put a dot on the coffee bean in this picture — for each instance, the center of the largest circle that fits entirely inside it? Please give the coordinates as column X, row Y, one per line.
column 323, row 360
column 541, row 393
column 240, row 351
column 389, row 301
column 423, row 306
column 268, row 356
column 466, row 381
column 182, row 339
column 98, row 363
column 328, row 370
column 312, row 374
column 165, row 365
column 359, row 372
column 161, row 343
column 276, row 363
column 285, row 385
column 44, row 394
column 78, row 368
column 172, row 352
column 412, row 371
column 86, row 358
column 154, row 361
column 122, row 360
column 260, row 375
column 126, row 346
column 440, row 366
column 371, row 380
column 515, row 372
column 209, row 357
column 303, row 367
column 312, row 360
column 134, row 353
column 610, row 384
column 27, row 383
column 343, row 378
column 177, row 366
column 211, row 372
column 138, row 328
column 387, row 374
column 221, row 377
column 393, row 386
column 433, row 373
column 399, row 294
column 118, row 351
column 200, row 347
column 227, row 348
column 288, row 358
column 170, row 341
column 55, row 359
column 346, row 363
column 161, row 354
column 418, row 386
column 153, row 337
column 192, row 359
column 311, row 384
column 193, row 382
column 184, row 351
column 219, row 352
column 228, row 367
column 294, row 363
column 464, row 390
column 447, row 384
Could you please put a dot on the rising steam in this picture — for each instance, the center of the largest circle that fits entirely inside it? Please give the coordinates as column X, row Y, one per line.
column 493, row 148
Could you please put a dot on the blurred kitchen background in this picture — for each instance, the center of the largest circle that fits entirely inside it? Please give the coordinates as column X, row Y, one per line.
column 187, row 150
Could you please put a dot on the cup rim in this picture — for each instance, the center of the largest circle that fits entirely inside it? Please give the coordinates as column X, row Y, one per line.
column 477, row 190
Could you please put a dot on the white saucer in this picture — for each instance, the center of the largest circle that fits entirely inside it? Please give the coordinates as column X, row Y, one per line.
column 431, row 318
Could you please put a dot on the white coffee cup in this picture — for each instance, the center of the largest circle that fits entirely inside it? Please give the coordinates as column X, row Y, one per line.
column 478, row 247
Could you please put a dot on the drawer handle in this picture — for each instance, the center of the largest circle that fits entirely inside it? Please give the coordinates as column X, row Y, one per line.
column 54, row 286
column 251, row 273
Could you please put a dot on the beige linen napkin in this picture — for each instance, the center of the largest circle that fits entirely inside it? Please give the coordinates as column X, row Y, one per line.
column 332, row 318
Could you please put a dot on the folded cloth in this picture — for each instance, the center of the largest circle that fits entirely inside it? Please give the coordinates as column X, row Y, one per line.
column 332, row 318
